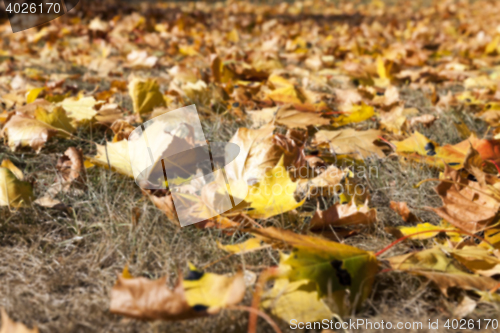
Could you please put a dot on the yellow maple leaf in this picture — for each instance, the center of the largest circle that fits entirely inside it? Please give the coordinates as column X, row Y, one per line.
column 14, row 192
column 114, row 154
column 32, row 94
column 274, row 194
column 213, row 291
column 57, row 118
column 80, row 109
column 356, row 114
column 145, row 95
column 297, row 300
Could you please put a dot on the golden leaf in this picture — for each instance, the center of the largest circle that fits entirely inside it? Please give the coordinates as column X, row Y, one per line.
column 14, row 192
column 274, row 194
column 145, row 95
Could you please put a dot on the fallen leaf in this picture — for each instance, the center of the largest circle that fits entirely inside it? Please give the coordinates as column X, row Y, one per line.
column 427, row 120
column 297, row 300
column 57, row 118
column 466, row 204
column 32, row 94
column 333, row 266
column 273, row 194
column 357, row 144
column 444, row 271
column 199, row 294
column 10, row 326
column 402, row 209
column 291, row 118
column 72, row 169
column 23, row 131
column 140, row 59
column 14, row 192
column 80, row 109
column 212, row 291
column 250, row 245
column 258, row 153
column 145, row 95
column 340, row 215
column 356, row 114
column 114, row 155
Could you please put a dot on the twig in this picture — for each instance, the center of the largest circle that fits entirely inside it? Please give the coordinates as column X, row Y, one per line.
column 429, row 231
column 259, row 313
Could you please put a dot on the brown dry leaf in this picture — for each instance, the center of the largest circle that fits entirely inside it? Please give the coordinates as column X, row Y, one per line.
column 23, row 131
column 72, row 169
column 343, row 215
column 466, row 204
column 293, row 144
column 146, row 299
column 357, row 144
column 390, row 97
column 10, row 326
column 327, row 183
column 258, row 153
column 109, row 113
column 291, row 118
column 162, row 199
column 427, row 120
column 395, row 120
column 402, row 209
column 464, row 281
column 122, row 130
column 49, row 202
column 199, row 294
column 442, row 269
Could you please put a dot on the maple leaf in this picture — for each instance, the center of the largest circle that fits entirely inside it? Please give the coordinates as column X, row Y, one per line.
column 438, row 267
column 14, row 191
column 199, row 294
column 343, row 215
column 402, row 209
column 333, row 266
column 80, row 109
column 264, row 198
column 114, row 155
column 250, row 245
column 22, row 131
column 57, row 118
column 258, row 152
column 72, row 169
column 356, row 114
column 292, row 118
column 466, row 204
column 357, row 144
column 294, row 300
column 145, row 95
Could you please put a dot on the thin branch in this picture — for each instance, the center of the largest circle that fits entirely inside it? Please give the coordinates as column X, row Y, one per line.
column 259, row 313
